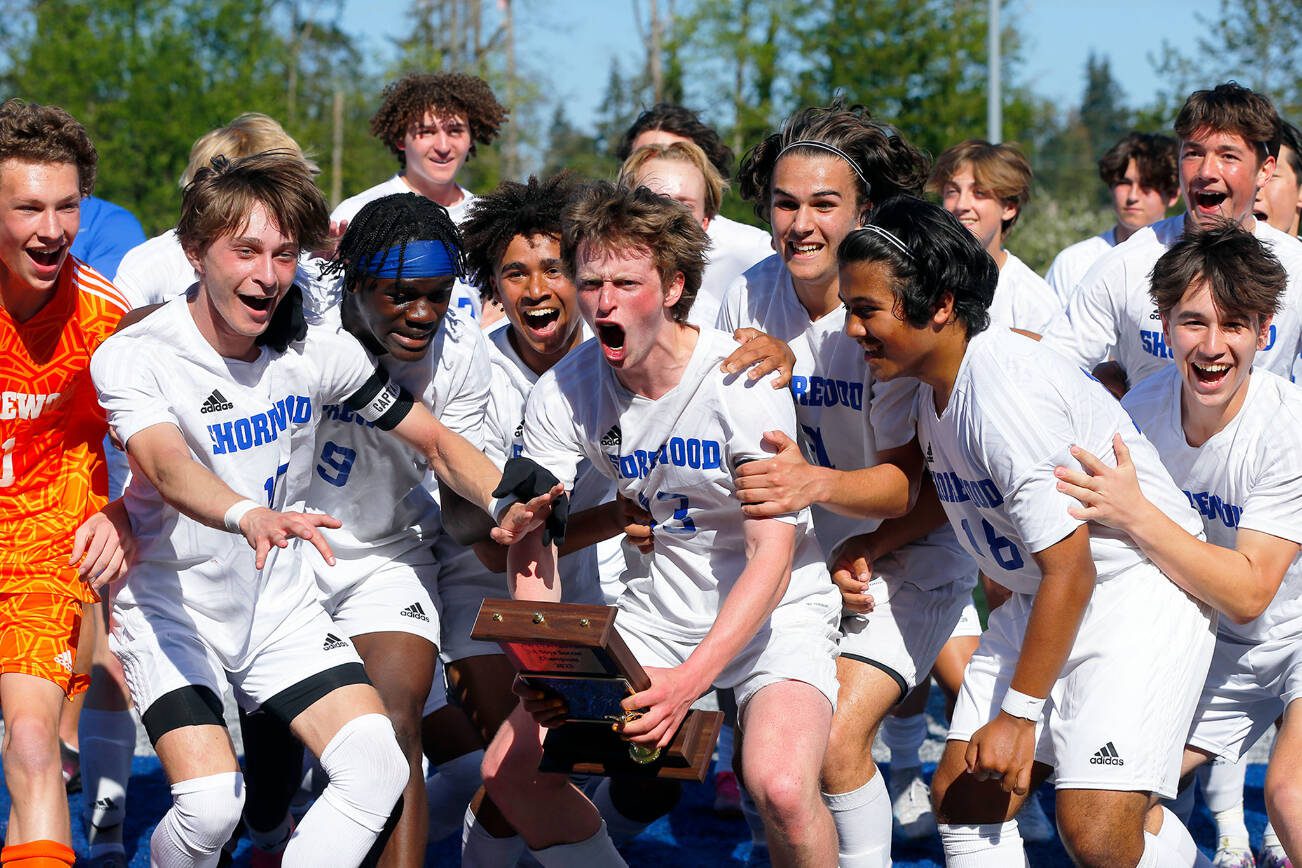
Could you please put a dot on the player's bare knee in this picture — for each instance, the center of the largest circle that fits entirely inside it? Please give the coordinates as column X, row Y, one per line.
column 1096, row 843
column 848, row 760
column 784, row 795
column 1283, row 793
column 31, row 746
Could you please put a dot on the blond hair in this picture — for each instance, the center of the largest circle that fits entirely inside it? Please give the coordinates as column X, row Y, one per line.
column 1001, row 169
column 678, row 152
column 250, row 133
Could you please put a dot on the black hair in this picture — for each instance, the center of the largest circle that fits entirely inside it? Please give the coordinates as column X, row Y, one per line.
column 392, row 221
column 1290, row 137
column 943, row 258
column 529, row 209
column 680, row 121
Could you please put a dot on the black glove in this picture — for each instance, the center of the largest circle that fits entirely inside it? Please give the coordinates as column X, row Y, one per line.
column 288, row 325
column 526, row 479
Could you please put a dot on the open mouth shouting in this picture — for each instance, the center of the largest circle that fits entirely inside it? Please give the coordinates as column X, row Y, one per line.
column 802, row 250
column 46, row 261
column 611, row 337
column 1209, row 201
column 1210, row 375
column 542, row 322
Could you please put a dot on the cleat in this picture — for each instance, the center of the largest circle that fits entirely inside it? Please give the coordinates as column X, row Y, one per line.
column 1233, row 854
column 1273, row 857
column 727, row 795
column 1033, row 823
column 910, row 804
column 71, row 761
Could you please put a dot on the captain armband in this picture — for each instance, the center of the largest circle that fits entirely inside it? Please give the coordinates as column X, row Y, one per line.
column 381, row 402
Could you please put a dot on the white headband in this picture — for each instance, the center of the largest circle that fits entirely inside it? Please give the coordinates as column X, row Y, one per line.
column 831, row 149
column 890, row 237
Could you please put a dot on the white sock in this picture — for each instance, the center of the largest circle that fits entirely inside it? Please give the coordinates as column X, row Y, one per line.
column 1222, row 784
column 904, row 735
column 863, row 825
column 1153, row 853
column 272, row 840
column 481, row 850
column 1176, row 847
column 988, row 845
column 595, row 852
column 108, row 741
column 450, row 791
column 622, row 829
column 724, row 763
column 204, row 812
column 1269, row 838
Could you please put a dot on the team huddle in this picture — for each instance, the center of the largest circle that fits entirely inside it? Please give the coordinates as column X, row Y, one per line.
column 284, row 454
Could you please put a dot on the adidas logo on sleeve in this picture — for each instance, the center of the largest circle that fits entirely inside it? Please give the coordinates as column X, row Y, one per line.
column 1107, row 756
column 415, row 610
column 216, row 403
column 332, row 642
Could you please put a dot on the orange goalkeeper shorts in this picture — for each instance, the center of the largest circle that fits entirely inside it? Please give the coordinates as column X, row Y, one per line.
column 38, row 636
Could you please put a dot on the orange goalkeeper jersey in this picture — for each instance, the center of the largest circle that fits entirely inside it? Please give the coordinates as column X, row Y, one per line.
column 52, row 470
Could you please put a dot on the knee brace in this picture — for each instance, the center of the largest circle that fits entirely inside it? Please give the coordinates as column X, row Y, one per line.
column 205, row 812
column 367, row 770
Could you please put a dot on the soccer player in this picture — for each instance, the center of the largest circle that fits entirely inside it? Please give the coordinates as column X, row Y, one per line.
column 54, row 312
column 734, row 246
column 729, row 601
column 399, row 259
column 1279, row 201
column 986, row 187
column 682, row 171
column 432, row 123
column 216, row 396
column 1070, row 679
column 1230, row 437
column 1228, row 139
column 158, row 269
column 1139, row 172
column 814, row 182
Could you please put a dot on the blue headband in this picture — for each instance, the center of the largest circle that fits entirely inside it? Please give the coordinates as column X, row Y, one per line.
column 414, row 260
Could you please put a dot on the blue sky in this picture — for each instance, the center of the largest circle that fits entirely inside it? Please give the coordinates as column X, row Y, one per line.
column 570, row 44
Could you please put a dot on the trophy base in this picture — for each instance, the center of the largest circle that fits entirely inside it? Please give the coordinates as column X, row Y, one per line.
column 584, row 748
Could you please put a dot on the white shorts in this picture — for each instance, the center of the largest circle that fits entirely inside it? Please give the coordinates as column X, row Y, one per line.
column 1118, row 714
column 969, row 622
column 906, row 629
column 438, row 691
column 797, row 644
column 1247, row 689
column 387, row 596
column 160, row 655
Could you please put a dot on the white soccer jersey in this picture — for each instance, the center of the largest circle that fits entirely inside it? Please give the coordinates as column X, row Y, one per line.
column 371, row 480
column 465, row 298
column 832, row 390
column 253, row 424
column 1111, row 315
column 675, row 456
column 1247, row 476
column 734, row 247
column 1022, row 299
column 1015, row 410
column 512, row 381
column 1071, row 264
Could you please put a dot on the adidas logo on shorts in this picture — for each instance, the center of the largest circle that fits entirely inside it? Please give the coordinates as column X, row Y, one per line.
column 612, row 438
column 415, row 610
column 105, row 803
column 1107, row 756
column 216, row 403
column 64, row 660
column 332, row 642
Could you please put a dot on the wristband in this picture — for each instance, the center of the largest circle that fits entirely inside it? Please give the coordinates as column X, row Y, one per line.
column 1017, row 704
column 498, row 506
column 237, row 511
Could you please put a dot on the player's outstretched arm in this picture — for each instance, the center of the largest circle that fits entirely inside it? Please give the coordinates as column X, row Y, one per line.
column 746, row 606
column 760, row 354
column 787, row 483
column 164, row 458
column 466, row 470
column 1239, row 582
column 1005, row 747
column 531, row 569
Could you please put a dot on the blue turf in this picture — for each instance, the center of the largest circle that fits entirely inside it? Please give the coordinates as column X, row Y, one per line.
column 690, row 836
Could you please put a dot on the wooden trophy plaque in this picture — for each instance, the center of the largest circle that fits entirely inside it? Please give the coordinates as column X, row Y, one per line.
column 574, row 651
